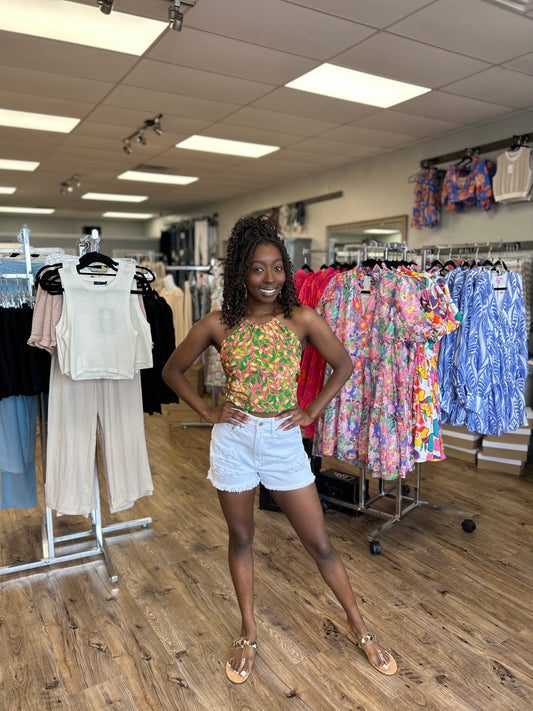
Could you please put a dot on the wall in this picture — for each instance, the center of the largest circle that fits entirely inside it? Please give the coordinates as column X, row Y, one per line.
column 378, row 187
column 64, row 233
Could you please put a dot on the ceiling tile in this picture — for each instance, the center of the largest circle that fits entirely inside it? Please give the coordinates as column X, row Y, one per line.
column 161, row 76
column 450, row 107
column 408, row 124
column 272, row 23
column 313, row 106
column 63, row 58
column 522, row 64
column 473, row 28
column 252, row 135
column 377, row 13
column 253, row 117
column 223, row 55
column 306, row 157
column 44, row 105
column 59, row 86
column 160, row 102
column 497, row 85
column 406, row 60
column 366, row 137
column 320, row 145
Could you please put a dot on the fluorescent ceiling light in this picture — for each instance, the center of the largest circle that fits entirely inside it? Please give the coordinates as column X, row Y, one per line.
column 222, row 145
column 381, row 231
column 350, row 85
column 6, row 164
column 28, row 210
column 145, row 177
column 80, row 24
column 129, row 215
column 116, row 198
column 37, row 122
column 7, row 191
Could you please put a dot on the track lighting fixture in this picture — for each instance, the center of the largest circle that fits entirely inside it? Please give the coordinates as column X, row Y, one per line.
column 154, row 124
column 67, row 186
column 105, row 6
column 175, row 16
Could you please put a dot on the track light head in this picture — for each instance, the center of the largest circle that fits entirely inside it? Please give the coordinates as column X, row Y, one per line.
column 158, row 130
column 105, row 6
column 175, row 17
column 141, row 138
column 127, row 146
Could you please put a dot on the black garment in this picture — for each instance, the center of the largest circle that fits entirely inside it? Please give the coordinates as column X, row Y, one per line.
column 24, row 370
column 155, row 392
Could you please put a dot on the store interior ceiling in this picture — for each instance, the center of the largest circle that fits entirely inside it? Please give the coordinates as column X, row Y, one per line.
column 224, row 75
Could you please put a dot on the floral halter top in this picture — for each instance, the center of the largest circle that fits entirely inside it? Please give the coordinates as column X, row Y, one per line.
column 261, row 363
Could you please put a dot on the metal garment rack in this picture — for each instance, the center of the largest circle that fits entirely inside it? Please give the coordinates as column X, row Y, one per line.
column 97, row 531
column 398, row 489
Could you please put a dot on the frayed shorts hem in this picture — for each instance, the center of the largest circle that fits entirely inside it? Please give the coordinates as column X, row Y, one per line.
column 238, row 490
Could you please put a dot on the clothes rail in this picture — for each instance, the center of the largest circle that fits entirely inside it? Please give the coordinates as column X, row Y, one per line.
column 50, row 554
column 398, row 490
column 517, row 140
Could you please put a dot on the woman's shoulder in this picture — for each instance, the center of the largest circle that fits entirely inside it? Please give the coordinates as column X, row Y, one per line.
column 303, row 314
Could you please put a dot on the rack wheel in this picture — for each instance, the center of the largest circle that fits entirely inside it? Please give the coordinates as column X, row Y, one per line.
column 468, row 525
column 406, row 489
column 375, row 547
column 324, row 505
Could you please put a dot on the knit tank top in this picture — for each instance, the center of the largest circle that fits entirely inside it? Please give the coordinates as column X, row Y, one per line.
column 102, row 332
column 261, row 363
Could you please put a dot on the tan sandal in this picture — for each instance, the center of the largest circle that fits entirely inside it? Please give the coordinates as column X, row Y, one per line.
column 237, row 677
column 389, row 668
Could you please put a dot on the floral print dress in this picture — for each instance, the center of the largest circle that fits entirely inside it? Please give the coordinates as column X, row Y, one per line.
column 369, row 423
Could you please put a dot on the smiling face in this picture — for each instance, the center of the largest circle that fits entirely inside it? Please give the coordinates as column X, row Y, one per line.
column 266, row 275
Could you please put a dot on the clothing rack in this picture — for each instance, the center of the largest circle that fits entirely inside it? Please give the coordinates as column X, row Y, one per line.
column 214, row 391
column 97, row 531
column 514, row 141
column 398, row 490
column 24, row 238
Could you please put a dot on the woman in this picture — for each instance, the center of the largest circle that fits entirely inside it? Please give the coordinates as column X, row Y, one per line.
column 260, row 332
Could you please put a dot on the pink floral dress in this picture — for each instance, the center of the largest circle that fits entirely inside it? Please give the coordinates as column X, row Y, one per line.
column 370, row 422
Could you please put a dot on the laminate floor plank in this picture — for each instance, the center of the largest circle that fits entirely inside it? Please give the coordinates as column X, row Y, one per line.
column 455, row 608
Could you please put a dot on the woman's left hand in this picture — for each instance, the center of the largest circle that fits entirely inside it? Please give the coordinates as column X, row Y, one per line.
column 293, row 417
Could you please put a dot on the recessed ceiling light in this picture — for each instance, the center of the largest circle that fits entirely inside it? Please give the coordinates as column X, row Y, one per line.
column 28, row 210
column 157, row 178
column 80, row 24
column 129, row 215
column 37, row 122
column 350, row 85
column 7, row 191
column 222, row 145
column 114, row 197
column 6, row 164
column 380, row 231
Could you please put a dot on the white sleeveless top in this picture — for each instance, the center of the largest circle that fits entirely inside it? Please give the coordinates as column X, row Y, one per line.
column 513, row 180
column 102, row 332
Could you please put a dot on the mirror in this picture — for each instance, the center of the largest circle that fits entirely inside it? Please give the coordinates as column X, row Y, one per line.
column 345, row 241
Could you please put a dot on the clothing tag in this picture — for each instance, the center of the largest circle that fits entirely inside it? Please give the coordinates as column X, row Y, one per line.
column 510, row 168
column 100, row 283
column 367, row 283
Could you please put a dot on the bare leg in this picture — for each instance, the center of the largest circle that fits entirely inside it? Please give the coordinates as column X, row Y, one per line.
column 302, row 508
column 238, row 510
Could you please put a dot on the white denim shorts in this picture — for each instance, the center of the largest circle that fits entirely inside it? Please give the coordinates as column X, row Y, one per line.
column 244, row 455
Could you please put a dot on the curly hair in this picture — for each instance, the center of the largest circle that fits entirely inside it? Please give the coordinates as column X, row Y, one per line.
column 246, row 235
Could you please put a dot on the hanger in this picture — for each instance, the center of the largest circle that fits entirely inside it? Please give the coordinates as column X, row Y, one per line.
column 518, row 142
column 94, row 258
column 49, row 280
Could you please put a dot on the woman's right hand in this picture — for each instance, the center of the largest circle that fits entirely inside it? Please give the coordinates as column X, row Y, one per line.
column 226, row 412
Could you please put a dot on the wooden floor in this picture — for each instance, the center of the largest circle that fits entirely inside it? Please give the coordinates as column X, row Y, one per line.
column 455, row 608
